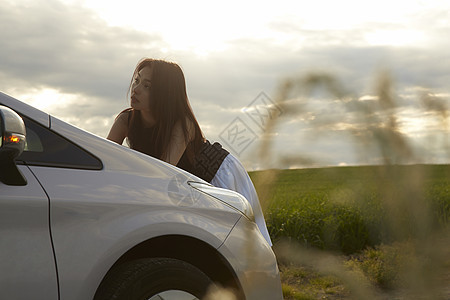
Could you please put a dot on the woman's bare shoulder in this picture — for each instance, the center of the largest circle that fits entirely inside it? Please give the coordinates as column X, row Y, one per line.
column 123, row 118
column 124, row 115
column 119, row 129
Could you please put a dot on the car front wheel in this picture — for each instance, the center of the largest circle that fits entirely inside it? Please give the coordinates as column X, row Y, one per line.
column 155, row 278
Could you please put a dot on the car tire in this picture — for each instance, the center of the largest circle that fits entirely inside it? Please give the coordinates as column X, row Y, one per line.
column 145, row 278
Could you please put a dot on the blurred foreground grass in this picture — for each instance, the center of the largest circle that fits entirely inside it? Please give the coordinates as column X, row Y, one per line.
column 369, row 232
column 335, row 236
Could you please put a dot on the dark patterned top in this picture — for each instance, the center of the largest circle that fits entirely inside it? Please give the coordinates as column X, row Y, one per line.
column 206, row 162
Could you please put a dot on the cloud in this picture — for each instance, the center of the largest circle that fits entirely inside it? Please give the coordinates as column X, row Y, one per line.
column 68, row 50
column 66, row 47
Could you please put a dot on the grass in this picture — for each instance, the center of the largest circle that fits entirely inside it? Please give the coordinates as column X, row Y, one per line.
column 380, row 232
column 348, row 209
column 383, row 231
column 300, row 282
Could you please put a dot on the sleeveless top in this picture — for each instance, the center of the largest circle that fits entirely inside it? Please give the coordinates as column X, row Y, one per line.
column 206, row 162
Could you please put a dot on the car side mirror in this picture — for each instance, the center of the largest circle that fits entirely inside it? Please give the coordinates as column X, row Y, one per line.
column 12, row 144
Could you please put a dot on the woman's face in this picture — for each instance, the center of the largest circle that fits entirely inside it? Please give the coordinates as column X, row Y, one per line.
column 140, row 89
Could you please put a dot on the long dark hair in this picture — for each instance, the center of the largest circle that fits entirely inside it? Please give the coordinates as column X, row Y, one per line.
column 169, row 104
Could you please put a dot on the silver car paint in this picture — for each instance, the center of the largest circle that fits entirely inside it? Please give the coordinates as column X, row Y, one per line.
column 97, row 215
column 98, row 219
column 27, row 266
column 252, row 258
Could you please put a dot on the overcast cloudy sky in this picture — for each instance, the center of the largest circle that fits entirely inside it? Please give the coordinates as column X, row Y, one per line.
column 74, row 59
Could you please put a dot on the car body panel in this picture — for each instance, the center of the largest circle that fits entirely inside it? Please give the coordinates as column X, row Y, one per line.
column 25, row 243
column 255, row 264
column 95, row 221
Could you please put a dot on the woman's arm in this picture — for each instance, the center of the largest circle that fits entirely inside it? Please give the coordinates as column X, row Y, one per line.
column 178, row 143
column 119, row 129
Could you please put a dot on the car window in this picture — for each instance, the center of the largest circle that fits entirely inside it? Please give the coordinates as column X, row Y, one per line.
column 33, row 142
column 46, row 148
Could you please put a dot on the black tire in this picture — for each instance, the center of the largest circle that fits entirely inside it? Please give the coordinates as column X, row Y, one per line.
column 144, row 278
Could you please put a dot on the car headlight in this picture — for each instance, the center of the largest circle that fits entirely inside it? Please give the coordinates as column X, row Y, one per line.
column 229, row 197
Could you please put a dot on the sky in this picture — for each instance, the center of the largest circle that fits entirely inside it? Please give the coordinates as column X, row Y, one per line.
column 74, row 59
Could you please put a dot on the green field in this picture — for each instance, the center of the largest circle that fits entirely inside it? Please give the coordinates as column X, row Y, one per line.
column 389, row 224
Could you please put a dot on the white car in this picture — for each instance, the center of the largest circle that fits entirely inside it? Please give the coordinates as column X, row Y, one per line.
column 84, row 218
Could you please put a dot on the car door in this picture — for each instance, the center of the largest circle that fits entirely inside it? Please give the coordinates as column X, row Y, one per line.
column 27, row 265
column 65, row 172
column 28, row 260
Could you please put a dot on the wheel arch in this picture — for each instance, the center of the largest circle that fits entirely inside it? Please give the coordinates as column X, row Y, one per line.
column 189, row 249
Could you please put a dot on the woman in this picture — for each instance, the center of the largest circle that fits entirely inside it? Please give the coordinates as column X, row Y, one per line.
column 161, row 123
